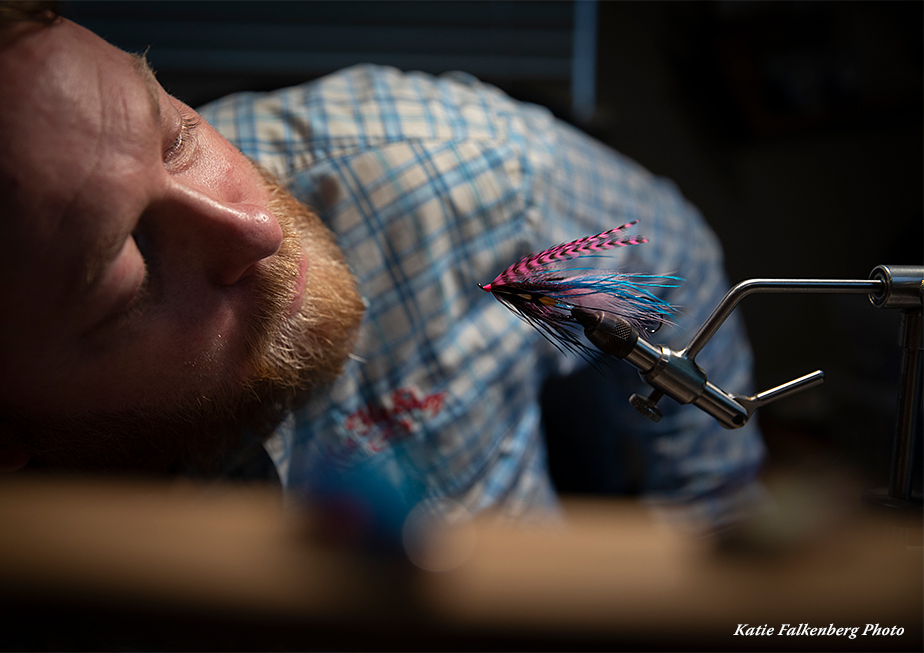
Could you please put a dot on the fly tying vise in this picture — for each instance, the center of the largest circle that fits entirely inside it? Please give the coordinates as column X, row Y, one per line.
column 543, row 289
column 612, row 310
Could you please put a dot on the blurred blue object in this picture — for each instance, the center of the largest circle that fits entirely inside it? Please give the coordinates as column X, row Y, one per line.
column 363, row 506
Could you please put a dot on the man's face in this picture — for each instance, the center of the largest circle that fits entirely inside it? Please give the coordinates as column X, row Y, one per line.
column 149, row 274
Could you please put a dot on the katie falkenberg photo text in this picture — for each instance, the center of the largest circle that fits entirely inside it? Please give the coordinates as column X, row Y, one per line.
column 805, row 629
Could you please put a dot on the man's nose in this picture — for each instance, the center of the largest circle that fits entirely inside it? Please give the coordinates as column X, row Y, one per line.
column 227, row 238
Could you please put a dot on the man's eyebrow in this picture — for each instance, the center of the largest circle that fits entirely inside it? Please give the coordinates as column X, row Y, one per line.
column 143, row 68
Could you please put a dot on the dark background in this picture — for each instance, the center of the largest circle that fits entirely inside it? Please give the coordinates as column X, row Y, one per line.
column 796, row 127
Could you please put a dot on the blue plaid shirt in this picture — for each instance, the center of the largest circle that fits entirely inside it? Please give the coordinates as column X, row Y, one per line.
column 433, row 184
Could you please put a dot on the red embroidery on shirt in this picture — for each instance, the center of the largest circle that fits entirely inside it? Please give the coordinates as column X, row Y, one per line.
column 393, row 417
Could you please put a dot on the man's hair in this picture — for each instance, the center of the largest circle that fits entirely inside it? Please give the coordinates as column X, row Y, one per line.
column 28, row 11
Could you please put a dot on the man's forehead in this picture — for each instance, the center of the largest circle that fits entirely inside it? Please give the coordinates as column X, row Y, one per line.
column 70, row 49
column 66, row 75
column 90, row 100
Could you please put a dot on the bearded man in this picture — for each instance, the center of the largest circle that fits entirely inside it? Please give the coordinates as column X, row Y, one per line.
column 161, row 291
column 170, row 306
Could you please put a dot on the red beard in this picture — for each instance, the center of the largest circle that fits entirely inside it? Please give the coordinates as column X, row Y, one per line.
column 287, row 357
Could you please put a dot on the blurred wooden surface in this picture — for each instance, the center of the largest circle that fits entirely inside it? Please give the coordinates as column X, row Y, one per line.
column 178, row 566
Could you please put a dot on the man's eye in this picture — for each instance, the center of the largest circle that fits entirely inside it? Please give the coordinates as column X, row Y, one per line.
column 185, row 139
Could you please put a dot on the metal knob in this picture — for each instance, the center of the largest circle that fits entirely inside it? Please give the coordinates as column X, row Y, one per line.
column 648, row 406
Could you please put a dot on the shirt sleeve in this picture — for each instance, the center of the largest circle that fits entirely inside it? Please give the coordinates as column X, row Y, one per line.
column 432, row 185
